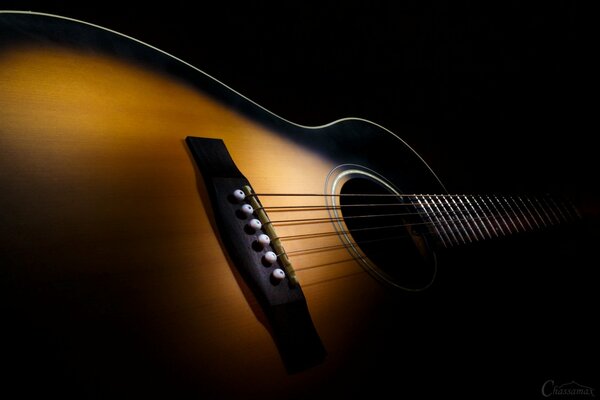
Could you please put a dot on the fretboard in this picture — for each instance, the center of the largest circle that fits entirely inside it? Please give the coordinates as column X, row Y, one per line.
column 461, row 219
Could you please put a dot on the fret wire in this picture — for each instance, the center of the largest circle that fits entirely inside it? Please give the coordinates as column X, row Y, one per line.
column 470, row 201
column 551, row 210
column 499, row 201
column 544, row 210
column 481, row 209
column 458, row 230
column 471, row 221
column 443, row 222
column 500, row 214
column 453, row 231
column 455, row 211
column 567, row 210
column 474, row 209
column 467, row 219
column 530, row 213
column 435, row 226
column 529, row 216
column 497, row 226
column 520, row 211
column 552, row 207
column 487, row 224
column 439, row 217
column 468, row 222
column 536, row 211
column 514, row 213
column 558, row 208
column 533, row 215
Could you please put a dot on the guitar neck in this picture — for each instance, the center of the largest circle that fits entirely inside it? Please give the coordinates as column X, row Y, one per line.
column 463, row 219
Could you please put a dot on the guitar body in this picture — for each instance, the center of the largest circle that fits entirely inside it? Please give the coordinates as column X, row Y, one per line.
column 115, row 280
column 108, row 249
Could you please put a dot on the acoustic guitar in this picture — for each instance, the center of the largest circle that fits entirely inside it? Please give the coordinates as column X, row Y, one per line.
column 163, row 236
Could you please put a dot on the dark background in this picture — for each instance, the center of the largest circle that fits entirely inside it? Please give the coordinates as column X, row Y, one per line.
column 495, row 97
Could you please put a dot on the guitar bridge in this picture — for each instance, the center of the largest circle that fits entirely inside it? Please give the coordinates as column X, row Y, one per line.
column 252, row 244
column 269, row 237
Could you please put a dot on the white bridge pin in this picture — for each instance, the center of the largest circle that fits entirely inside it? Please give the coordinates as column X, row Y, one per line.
column 270, row 257
column 239, row 195
column 278, row 274
column 255, row 224
column 247, row 209
column 264, row 240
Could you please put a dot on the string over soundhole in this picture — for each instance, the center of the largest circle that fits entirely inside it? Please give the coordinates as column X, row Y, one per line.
column 382, row 229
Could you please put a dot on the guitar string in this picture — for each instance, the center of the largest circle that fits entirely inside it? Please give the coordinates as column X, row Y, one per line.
column 319, row 208
column 293, row 208
column 512, row 213
column 420, row 203
column 327, row 219
column 340, row 195
column 345, row 246
column 334, row 233
column 431, row 202
column 314, row 266
column 453, row 211
column 565, row 204
column 436, row 213
column 341, row 246
column 493, row 219
column 381, row 195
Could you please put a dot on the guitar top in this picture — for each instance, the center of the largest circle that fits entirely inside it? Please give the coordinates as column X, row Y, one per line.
column 163, row 236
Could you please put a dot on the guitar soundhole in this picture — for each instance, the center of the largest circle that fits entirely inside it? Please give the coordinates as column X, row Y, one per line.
column 389, row 232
